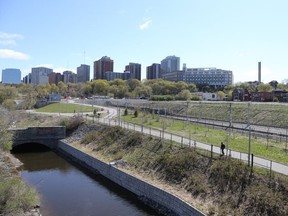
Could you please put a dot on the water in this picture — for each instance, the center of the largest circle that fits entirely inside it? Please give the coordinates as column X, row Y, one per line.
column 66, row 190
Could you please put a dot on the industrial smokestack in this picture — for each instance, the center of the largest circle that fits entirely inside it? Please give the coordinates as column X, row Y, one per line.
column 259, row 72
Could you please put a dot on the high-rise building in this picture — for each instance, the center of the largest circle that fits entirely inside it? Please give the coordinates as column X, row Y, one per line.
column 11, row 76
column 40, row 75
column 69, row 77
column 27, row 79
column 101, row 66
column 153, row 71
column 83, row 73
column 55, row 78
column 170, row 64
column 135, row 70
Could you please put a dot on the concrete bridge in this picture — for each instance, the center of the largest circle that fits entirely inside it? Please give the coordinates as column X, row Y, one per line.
column 47, row 136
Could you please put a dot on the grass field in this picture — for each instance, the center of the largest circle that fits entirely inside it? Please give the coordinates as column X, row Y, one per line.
column 269, row 114
column 259, row 146
column 65, row 108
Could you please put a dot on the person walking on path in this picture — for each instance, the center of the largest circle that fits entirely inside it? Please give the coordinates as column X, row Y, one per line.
column 222, row 148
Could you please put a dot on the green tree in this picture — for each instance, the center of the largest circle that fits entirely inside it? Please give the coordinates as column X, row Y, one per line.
column 221, row 94
column 274, row 84
column 265, row 88
column 184, row 95
column 62, row 88
column 180, row 86
column 100, row 87
column 192, row 87
column 132, row 84
column 118, row 88
column 7, row 92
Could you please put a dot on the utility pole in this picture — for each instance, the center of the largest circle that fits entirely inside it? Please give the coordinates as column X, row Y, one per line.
column 230, row 126
column 249, row 141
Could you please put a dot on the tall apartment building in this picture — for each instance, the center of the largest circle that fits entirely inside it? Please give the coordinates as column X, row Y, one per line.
column 101, row 66
column 135, row 70
column 11, row 76
column 153, row 71
column 40, row 75
column 83, row 73
column 27, row 79
column 69, row 77
column 170, row 64
column 210, row 76
column 55, row 78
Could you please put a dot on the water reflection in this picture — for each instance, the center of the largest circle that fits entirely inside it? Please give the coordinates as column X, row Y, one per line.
column 66, row 190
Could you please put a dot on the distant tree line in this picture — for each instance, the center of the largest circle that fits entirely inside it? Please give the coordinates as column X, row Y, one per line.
column 156, row 89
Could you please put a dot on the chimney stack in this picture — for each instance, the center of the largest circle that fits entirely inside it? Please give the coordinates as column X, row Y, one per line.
column 259, row 72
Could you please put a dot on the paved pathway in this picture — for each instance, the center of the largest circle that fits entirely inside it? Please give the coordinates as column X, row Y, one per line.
column 111, row 119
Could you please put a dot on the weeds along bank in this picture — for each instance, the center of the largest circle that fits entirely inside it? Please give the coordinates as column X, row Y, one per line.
column 216, row 187
column 15, row 197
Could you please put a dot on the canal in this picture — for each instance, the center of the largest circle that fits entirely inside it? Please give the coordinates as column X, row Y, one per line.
column 67, row 190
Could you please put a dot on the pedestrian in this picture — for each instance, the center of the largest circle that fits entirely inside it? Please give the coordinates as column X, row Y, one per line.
column 222, row 148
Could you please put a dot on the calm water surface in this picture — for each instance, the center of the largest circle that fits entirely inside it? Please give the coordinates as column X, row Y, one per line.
column 67, row 190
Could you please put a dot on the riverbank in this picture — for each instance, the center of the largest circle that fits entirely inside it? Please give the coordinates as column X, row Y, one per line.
column 16, row 198
column 220, row 186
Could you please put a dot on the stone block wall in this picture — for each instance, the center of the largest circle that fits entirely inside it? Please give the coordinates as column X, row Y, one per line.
column 151, row 195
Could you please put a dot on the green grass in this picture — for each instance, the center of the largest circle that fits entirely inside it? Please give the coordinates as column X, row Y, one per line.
column 274, row 151
column 65, row 108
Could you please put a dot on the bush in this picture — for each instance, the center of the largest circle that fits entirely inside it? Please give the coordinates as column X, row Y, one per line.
column 262, row 200
column 16, row 197
column 162, row 98
column 229, row 175
column 89, row 137
column 72, row 124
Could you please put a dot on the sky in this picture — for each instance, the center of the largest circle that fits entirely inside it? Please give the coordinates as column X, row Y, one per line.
column 227, row 34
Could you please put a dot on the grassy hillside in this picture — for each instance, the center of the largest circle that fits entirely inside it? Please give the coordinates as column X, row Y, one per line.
column 262, row 147
column 218, row 186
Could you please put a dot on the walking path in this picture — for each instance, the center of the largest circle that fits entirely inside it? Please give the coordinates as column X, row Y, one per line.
column 111, row 119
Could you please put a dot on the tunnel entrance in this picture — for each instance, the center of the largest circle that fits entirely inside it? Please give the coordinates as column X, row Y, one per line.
column 30, row 147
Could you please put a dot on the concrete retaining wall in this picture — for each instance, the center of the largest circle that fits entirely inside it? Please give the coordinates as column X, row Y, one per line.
column 150, row 194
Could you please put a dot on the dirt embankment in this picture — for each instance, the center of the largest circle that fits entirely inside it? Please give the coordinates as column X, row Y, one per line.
column 218, row 186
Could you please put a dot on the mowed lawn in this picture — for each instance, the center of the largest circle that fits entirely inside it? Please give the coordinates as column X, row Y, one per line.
column 65, row 108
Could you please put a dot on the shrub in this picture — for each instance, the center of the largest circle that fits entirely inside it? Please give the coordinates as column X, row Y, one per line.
column 229, row 175
column 72, row 124
column 16, row 197
column 262, row 200
column 89, row 137
column 162, row 98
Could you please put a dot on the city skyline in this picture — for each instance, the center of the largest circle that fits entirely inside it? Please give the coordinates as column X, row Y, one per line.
column 229, row 35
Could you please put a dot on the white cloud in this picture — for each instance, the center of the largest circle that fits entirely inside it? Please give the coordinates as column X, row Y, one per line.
column 7, row 42
column 146, row 24
column 6, row 36
column 12, row 54
column 9, row 39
